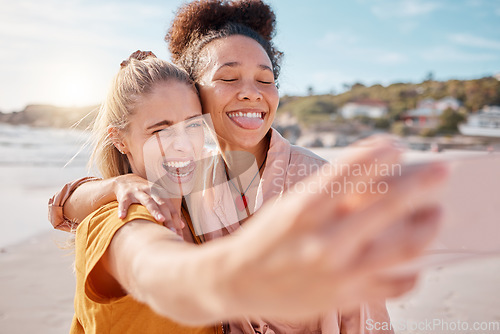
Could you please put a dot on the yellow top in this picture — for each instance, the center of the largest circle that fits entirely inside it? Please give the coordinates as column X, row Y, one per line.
column 95, row 313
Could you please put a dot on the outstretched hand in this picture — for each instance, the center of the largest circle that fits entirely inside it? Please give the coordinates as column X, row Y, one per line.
column 328, row 244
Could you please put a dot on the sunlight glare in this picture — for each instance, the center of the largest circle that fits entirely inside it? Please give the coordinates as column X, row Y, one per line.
column 74, row 89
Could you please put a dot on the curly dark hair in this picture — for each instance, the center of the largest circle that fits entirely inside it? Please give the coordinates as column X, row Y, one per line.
column 201, row 21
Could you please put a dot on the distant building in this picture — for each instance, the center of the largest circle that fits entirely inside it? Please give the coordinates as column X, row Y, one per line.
column 447, row 103
column 428, row 111
column 371, row 108
column 442, row 104
column 486, row 122
column 422, row 118
column 426, row 104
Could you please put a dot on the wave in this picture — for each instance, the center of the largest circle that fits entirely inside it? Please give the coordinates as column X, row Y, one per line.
column 24, row 145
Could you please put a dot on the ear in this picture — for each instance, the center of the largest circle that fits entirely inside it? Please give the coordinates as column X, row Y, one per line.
column 117, row 140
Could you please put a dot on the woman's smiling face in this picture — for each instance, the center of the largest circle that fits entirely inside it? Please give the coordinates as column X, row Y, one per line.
column 237, row 88
column 165, row 135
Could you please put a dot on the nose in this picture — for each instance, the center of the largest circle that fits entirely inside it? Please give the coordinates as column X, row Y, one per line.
column 181, row 141
column 249, row 91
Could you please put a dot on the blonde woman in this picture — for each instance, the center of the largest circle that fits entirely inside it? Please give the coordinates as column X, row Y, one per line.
column 148, row 98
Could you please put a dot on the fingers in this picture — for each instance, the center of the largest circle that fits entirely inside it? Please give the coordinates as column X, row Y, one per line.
column 404, row 180
column 335, row 183
column 172, row 216
column 151, row 205
column 378, row 288
column 125, row 201
column 140, row 197
column 128, row 189
column 131, row 189
column 123, row 204
column 374, row 289
column 404, row 194
column 401, row 242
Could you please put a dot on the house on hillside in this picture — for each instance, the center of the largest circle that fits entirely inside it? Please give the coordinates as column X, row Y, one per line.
column 372, row 108
column 428, row 111
column 426, row 104
column 486, row 122
column 422, row 118
column 441, row 104
column 447, row 103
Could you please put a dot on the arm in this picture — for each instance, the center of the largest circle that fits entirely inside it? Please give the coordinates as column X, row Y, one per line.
column 77, row 199
column 302, row 256
column 176, row 279
column 57, row 215
column 87, row 198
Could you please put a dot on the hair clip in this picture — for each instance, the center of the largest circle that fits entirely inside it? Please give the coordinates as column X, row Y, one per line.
column 139, row 55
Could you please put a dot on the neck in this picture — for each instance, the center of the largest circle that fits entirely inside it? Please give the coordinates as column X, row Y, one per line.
column 235, row 161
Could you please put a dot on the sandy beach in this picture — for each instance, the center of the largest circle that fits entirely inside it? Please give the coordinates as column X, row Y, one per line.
column 36, row 285
column 36, row 276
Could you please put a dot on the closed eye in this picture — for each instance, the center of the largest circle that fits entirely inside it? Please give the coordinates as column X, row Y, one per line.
column 160, row 130
column 228, row 80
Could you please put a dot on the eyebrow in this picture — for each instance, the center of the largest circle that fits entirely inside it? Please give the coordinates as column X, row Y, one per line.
column 168, row 123
column 191, row 117
column 235, row 63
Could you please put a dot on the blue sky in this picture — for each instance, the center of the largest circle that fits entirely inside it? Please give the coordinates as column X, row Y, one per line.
column 65, row 52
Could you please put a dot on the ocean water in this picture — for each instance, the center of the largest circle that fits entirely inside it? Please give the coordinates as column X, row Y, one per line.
column 27, row 146
column 34, row 163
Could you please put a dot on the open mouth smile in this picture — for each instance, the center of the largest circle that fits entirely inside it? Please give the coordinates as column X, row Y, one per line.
column 247, row 119
column 178, row 169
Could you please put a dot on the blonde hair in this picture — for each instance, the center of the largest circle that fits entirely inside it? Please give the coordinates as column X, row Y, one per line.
column 138, row 75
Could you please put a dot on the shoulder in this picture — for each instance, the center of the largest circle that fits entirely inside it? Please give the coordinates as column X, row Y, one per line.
column 303, row 163
column 298, row 153
column 110, row 212
column 93, row 238
column 102, row 224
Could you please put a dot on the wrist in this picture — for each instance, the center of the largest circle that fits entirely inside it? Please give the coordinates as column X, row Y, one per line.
column 226, row 282
column 113, row 187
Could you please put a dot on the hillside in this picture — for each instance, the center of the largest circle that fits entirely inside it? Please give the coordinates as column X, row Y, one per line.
column 51, row 116
column 473, row 94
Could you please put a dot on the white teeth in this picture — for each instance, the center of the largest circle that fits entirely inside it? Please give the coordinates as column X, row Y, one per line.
column 177, row 164
column 248, row 114
column 178, row 174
